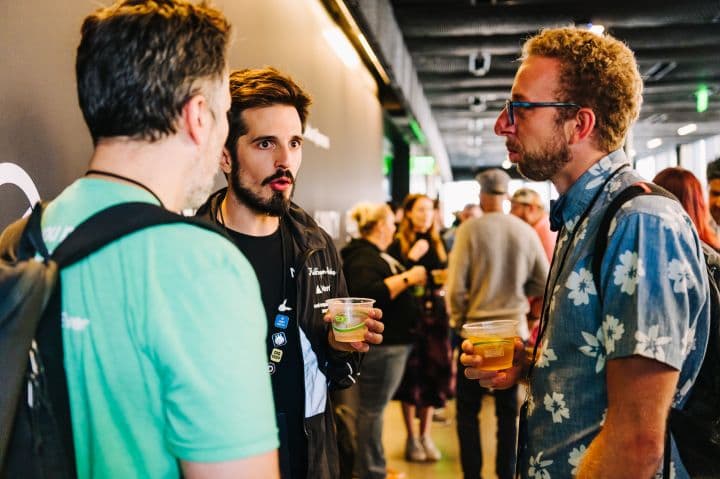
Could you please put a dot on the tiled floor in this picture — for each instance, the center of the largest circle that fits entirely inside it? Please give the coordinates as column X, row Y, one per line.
column 446, row 439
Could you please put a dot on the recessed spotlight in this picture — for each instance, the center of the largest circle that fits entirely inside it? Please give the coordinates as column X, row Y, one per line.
column 687, row 129
column 596, row 29
column 654, row 143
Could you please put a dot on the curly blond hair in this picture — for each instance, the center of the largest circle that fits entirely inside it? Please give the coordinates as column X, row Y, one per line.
column 598, row 72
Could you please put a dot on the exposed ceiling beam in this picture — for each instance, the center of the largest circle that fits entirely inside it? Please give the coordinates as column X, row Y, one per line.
column 667, row 36
column 518, row 19
column 377, row 19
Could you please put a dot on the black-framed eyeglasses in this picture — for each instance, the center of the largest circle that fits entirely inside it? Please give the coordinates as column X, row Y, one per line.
column 511, row 105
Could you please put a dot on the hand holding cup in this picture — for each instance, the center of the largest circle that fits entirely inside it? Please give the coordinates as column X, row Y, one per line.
column 355, row 324
column 492, row 353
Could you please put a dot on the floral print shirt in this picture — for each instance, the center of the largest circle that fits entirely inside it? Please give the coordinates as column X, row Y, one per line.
column 654, row 304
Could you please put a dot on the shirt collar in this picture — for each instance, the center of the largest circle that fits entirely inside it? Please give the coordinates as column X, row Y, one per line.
column 576, row 199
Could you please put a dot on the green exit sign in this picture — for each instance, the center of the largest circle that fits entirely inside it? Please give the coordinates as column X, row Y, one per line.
column 702, row 94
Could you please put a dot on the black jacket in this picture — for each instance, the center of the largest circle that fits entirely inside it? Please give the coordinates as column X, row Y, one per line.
column 366, row 271
column 319, row 277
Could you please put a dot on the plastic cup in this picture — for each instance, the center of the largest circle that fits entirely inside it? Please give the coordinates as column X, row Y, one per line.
column 439, row 276
column 348, row 318
column 494, row 340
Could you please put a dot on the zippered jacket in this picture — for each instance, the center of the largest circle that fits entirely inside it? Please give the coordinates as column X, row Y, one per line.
column 318, row 277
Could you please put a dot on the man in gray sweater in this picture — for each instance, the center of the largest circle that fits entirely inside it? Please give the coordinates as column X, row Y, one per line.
column 496, row 263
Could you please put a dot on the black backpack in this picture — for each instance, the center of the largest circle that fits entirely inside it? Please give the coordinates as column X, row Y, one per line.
column 695, row 427
column 35, row 428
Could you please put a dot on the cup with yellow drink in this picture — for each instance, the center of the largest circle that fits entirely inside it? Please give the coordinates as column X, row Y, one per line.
column 494, row 340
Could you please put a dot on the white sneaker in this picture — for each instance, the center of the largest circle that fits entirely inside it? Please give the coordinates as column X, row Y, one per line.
column 414, row 451
column 431, row 451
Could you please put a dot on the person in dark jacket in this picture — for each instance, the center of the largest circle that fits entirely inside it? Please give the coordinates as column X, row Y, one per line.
column 296, row 264
column 371, row 273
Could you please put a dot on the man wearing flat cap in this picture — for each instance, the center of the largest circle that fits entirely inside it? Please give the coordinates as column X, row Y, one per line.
column 496, row 264
column 527, row 205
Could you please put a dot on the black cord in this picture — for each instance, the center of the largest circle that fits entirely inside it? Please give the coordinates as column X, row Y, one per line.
column 125, row 178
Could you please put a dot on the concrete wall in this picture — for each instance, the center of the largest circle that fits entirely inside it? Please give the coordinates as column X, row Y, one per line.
column 42, row 130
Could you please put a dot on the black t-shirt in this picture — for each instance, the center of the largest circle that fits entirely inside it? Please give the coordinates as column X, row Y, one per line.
column 271, row 257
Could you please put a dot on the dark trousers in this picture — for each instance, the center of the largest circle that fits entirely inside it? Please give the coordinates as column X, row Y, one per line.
column 469, row 400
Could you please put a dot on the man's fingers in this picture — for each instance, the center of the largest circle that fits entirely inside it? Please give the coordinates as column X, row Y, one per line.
column 471, row 360
column 375, row 313
column 373, row 338
column 374, row 326
column 467, row 346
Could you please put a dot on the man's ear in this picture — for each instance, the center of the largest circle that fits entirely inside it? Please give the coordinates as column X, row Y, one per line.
column 225, row 161
column 195, row 116
column 583, row 125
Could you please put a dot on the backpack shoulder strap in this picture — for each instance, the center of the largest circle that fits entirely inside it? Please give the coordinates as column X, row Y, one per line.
column 115, row 222
column 21, row 240
column 601, row 241
column 601, row 237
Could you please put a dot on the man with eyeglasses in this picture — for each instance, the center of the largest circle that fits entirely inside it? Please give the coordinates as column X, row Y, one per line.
column 613, row 359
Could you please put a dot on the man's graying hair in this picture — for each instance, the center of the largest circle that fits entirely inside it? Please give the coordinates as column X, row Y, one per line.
column 140, row 61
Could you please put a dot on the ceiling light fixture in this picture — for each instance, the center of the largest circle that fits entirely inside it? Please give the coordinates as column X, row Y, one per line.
column 373, row 58
column 479, row 64
column 596, row 29
column 687, row 129
column 477, row 124
column 477, row 103
column 588, row 25
column 342, row 47
column 355, row 29
column 654, row 143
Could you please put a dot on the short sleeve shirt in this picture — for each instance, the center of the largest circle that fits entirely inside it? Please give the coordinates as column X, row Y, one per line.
column 655, row 304
column 164, row 339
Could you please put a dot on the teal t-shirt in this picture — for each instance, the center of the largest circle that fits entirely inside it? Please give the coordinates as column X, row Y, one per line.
column 164, row 337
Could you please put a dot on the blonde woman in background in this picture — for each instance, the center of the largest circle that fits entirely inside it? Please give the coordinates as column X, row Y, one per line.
column 426, row 384
column 371, row 273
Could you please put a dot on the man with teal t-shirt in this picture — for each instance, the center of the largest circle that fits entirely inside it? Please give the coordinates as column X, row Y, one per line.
column 163, row 378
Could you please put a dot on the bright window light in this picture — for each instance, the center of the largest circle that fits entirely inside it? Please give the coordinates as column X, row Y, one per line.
column 654, row 143
column 687, row 129
column 455, row 195
column 342, row 47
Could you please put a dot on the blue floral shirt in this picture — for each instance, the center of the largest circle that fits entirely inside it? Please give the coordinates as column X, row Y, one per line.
column 655, row 304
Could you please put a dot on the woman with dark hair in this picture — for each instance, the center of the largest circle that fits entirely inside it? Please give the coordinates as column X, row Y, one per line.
column 426, row 382
column 686, row 187
column 371, row 273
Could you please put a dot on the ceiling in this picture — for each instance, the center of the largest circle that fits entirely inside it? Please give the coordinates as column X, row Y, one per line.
column 677, row 45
